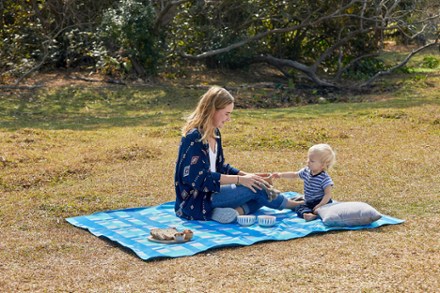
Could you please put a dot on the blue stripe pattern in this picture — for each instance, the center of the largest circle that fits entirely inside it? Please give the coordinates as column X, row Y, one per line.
column 131, row 227
column 314, row 185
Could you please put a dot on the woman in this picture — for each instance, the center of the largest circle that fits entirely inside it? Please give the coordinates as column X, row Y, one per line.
column 206, row 187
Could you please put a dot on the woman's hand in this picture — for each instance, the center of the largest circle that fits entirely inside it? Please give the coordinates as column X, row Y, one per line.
column 253, row 181
column 266, row 177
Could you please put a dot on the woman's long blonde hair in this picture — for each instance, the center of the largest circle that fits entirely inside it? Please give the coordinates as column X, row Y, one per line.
column 216, row 98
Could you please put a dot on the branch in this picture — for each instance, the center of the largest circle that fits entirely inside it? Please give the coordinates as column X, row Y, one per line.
column 352, row 62
column 165, row 16
column 46, row 53
column 340, row 42
column 310, row 71
column 240, row 44
column 364, row 7
column 401, row 64
column 17, row 87
column 345, row 39
column 305, row 23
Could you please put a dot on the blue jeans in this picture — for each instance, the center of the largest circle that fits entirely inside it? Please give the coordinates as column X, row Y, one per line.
column 307, row 207
column 233, row 196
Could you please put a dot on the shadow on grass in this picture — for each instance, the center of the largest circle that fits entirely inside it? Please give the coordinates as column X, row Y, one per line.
column 78, row 108
column 353, row 108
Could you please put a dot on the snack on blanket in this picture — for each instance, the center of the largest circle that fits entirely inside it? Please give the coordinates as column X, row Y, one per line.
column 171, row 234
column 163, row 234
column 188, row 234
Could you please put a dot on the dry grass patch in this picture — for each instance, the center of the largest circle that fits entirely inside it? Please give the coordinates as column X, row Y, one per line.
column 387, row 152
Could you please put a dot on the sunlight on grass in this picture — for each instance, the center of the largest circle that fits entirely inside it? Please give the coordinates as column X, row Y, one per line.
column 74, row 151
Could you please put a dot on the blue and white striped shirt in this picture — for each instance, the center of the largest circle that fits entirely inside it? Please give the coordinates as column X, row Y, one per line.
column 314, row 185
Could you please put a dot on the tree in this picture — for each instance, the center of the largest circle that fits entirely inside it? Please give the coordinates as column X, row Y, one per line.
column 39, row 33
column 326, row 41
column 330, row 43
column 113, row 36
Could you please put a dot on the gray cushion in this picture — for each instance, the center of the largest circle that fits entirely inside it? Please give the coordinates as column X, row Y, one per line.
column 348, row 214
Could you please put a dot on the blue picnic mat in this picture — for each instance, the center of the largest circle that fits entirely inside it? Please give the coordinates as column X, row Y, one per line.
column 131, row 227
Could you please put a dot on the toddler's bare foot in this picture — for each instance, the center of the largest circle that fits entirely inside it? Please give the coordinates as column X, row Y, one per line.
column 240, row 210
column 293, row 203
column 309, row 216
column 299, row 198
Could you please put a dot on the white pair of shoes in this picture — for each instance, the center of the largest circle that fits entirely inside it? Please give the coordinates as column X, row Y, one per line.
column 224, row 215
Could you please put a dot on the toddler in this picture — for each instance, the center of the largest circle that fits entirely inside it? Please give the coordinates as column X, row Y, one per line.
column 317, row 183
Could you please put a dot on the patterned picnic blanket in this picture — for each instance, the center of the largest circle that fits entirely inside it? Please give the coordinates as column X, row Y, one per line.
column 130, row 228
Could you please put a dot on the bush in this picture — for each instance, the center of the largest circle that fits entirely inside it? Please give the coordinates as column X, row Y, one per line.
column 365, row 68
column 430, row 62
column 127, row 35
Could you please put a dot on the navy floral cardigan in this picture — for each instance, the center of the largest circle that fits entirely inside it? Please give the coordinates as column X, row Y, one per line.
column 194, row 182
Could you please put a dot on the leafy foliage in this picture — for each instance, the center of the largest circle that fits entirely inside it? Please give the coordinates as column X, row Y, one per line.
column 365, row 68
column 20, row 36
column 430, row 62
column 56, row 33
column 127, row 35
column 328, row 40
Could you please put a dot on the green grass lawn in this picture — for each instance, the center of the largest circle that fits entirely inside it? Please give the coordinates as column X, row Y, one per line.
column 75, row 150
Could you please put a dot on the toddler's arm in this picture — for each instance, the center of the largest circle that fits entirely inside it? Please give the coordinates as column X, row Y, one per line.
column 325, row 199
column 286, row 175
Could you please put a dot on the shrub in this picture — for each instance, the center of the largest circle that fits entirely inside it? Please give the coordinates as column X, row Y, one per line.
column 365, row 68
column 430, row 62
column 127, row 31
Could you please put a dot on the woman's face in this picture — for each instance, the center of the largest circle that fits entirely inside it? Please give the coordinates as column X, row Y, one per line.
column 222, row 116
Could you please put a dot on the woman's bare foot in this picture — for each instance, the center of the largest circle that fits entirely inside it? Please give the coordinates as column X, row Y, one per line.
column 240, row 210
column 309, row 216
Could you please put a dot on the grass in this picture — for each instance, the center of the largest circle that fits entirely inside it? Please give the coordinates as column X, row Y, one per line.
column 75, row 150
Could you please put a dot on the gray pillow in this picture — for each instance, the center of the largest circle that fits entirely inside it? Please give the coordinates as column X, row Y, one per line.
column 348, row 214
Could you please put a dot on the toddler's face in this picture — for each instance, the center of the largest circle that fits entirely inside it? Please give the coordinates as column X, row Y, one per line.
column 314, row 163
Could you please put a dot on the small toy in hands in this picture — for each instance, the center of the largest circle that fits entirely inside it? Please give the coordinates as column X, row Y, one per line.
column 271, row 192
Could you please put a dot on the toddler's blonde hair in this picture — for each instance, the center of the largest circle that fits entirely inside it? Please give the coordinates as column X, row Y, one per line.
column 326, row 154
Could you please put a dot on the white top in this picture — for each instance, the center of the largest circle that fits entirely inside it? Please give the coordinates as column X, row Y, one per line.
column 213, row 159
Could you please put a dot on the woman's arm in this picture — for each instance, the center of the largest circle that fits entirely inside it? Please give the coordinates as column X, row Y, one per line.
column 251, row 181
column 230, row 179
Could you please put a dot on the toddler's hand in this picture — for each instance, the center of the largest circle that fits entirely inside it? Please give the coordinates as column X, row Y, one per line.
column 275, row 175
column 315, row 209
column 267, row 177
